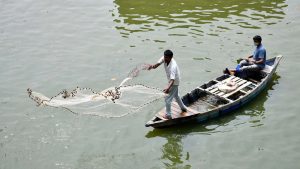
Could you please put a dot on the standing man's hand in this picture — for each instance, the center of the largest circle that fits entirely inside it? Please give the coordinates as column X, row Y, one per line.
column 150, row 67
column 153, row 66
column 166, row 90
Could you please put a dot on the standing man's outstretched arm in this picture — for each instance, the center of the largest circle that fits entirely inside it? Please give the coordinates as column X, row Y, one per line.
column 153, row 66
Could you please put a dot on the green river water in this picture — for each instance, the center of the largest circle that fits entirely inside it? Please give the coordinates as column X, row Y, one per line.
column 53, row 45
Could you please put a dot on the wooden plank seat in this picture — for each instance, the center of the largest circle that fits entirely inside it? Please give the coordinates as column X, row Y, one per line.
column 231, row 77
column 235, row 78
column 242, row 82
column 214, row 88
column 221, row 93
column 238, row 80
column 238, row 89
column 253, row 80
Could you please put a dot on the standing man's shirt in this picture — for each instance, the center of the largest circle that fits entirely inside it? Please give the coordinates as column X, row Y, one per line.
column 172, row 70
column 260, row 53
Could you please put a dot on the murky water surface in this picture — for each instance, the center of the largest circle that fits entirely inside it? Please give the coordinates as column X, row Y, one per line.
column 54, row 45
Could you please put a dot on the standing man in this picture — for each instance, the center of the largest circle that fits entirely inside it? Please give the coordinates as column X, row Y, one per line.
column 254, row 62
column 173, row 76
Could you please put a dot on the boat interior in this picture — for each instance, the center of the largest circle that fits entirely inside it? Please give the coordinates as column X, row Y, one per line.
column 243, row 87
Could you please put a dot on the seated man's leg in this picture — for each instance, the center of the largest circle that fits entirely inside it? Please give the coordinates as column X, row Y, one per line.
column 250, row 68
column 244, row 63
column 238, row 71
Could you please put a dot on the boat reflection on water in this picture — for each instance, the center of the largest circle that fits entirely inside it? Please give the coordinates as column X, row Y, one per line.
column 254, row 112
column 196, row 17
column 173, row 154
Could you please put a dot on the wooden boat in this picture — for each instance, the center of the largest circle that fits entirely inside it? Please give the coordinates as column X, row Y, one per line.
column 207, row 101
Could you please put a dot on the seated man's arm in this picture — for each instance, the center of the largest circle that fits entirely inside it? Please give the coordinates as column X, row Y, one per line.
column 261, row 56
column 249, row 58
column 260, row 61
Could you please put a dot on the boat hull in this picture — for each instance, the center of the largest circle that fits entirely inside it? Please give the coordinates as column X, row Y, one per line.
column 222, row 110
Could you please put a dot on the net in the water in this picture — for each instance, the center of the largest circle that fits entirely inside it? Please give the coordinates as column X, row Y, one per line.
column 112, row 102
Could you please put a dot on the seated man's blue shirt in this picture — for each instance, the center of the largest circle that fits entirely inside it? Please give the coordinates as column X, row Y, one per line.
column 260, row 53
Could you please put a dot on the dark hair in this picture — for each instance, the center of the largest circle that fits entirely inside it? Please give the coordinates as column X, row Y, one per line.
column 257, row 38
column 168, row 53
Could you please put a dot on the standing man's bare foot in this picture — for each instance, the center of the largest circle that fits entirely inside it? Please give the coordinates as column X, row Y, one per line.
column 166, row 116
column 183, row 112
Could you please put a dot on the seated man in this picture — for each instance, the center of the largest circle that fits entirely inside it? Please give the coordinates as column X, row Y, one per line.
column 253, row 63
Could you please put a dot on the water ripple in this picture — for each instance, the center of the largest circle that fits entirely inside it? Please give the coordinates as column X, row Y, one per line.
column 146, row 16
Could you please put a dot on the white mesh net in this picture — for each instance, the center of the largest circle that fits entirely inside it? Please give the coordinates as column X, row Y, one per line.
column 112, row 102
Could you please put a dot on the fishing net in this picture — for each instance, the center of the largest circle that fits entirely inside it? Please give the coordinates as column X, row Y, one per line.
column 117, row 101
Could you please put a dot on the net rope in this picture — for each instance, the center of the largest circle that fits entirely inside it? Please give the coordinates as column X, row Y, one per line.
column 113, row 102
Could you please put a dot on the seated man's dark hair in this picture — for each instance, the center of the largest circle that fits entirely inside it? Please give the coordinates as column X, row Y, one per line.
column 257, row 38
column 168, row 53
